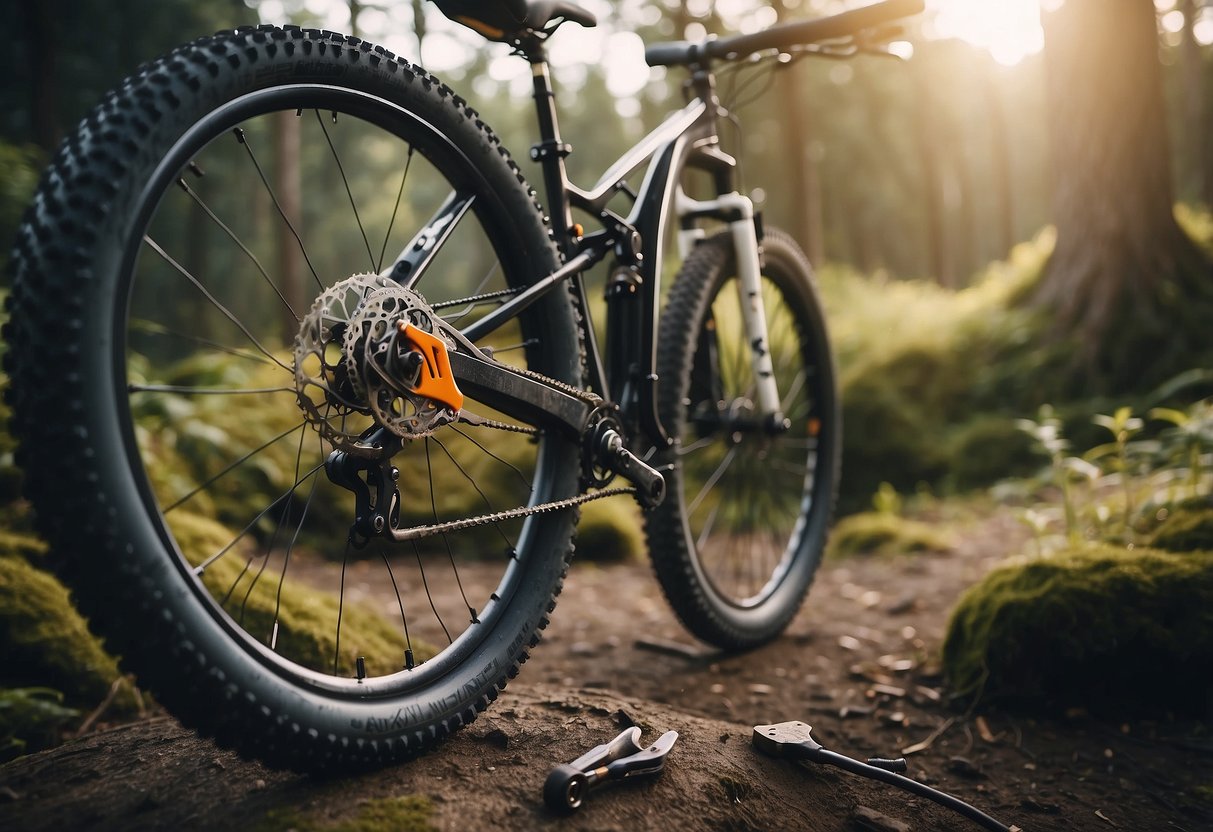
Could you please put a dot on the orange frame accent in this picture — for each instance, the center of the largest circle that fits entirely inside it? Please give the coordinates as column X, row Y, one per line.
column 436, row 381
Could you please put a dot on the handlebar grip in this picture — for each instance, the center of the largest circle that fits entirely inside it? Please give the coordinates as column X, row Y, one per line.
column 673, row 53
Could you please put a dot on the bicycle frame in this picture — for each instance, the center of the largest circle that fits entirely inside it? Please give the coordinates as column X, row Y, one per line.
column 687, row 138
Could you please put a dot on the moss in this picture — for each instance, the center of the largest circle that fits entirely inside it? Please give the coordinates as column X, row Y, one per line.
column 44, row 641
column 1187, row 528
column 883, row 534
column 610, row 530
column 1115, row 631
column 307, row 618
column 410, row 813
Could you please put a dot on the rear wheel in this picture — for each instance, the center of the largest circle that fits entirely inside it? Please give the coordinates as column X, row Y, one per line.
column 176, row 271
column 737, row 541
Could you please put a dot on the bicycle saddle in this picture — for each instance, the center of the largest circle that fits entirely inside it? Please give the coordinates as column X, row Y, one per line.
column 507, row 19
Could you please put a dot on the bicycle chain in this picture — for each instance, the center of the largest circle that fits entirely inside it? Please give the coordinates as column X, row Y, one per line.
column 509, row 514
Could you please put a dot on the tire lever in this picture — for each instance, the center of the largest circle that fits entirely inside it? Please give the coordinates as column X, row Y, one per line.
column 567, row 786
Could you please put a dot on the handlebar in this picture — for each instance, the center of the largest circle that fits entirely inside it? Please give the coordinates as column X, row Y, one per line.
column 784, row 35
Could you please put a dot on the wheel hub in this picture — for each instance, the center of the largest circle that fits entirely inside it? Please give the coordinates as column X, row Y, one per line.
column 372, row 354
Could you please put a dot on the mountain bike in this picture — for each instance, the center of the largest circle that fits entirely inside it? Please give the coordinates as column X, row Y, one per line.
column 283, row 297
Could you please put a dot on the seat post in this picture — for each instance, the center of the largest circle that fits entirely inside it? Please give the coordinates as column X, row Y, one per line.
column 550, row 151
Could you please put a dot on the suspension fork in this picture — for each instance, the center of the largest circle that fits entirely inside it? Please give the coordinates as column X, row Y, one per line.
column 738, row 212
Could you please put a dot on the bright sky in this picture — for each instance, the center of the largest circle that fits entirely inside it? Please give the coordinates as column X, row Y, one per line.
column 1008, row 29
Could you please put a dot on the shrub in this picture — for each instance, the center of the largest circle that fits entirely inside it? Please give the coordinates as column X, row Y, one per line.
column 610, row 530
column 879, row 533
column 1116, row 631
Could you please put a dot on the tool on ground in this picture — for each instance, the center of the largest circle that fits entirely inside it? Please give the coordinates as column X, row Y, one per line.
column 567, row 786
column 794, row 741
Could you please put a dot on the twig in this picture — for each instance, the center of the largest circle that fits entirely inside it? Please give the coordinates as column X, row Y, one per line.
column 930, row 740
column 100, row 709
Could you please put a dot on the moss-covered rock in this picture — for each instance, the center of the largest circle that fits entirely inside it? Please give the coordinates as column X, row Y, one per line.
column 879, row 533
column 43, row 640
column 1186, row 528
column 1115, row 631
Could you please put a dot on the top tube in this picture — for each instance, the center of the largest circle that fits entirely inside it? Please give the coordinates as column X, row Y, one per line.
column 783, row 36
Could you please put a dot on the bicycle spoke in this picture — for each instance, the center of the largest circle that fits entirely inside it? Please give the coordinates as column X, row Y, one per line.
column 408, row 162
column 345, row 559
column 214, row 302
column 345, row 181
column 286, row 560
column 445, row 539
column 506, row 463
column 274, row 286
column 232, row 466
column 712, row 480
column 426, row 586
column 408, row 641
column 205, row 391
column 200, row 568
column 242, row 138
column 147, row 327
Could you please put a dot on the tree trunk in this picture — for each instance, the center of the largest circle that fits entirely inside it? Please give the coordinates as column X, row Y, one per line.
column 1123, row 280
column 804, row 182
column 1195, row 145
column 929, row 138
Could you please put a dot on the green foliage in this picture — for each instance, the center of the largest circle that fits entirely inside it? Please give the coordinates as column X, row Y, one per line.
column 1119, row 491
column 920, row 363
column 610, row 530
column 19, row 169
column 881, row 533
column 31, row 719
column 1093, row 626
column 408, row 813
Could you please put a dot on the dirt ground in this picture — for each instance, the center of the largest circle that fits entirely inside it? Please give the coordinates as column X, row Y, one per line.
column 857, row 664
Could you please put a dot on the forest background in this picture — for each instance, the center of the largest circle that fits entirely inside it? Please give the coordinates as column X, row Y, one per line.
column 1016, row 216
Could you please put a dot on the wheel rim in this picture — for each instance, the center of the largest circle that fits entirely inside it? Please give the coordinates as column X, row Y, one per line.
column 748, row 490
column 210, row 456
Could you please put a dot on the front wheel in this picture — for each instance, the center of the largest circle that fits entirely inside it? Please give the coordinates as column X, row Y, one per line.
column 737, row 541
